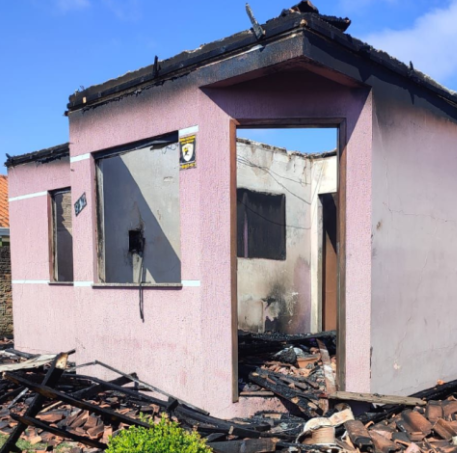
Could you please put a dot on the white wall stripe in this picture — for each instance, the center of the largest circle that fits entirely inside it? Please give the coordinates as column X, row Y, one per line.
column 29, row 195
column 190, row 283
column 188, row 131
column 83, row 283
column 30, row 282
column 78, row 158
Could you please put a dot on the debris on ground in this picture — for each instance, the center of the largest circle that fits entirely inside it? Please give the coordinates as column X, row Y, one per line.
column 43, row 401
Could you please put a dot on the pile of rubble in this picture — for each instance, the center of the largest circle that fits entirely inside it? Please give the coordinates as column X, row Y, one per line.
column 43, row 400
column 296, row 368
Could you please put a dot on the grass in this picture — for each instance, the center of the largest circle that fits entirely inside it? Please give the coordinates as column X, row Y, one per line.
column 26, row 446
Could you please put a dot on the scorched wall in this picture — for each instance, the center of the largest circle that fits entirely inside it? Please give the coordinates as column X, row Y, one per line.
column 414, row 240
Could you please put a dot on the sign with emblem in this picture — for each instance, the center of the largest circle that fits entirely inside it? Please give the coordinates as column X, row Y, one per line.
column 187, row 151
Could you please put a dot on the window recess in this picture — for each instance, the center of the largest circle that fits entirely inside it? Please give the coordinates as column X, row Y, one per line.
column 139, row 213
column 62, row 236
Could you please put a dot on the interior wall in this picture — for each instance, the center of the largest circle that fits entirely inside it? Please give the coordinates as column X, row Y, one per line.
column 274, row 295
column 414, row 242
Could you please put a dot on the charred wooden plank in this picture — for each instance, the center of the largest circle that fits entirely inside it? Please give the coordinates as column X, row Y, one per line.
column 215, row 437
column 151, row 387
column 252, row 431
column 307, row 403
column 24, row 355
column 30, row 421
column 11, row 394
column 298, row 447
column 134, row 393
column 257, row 393
column 244, row 446
column 297, row 381
column 376, row 399
column 99, row 387
column 51, row 378
column 436, row 392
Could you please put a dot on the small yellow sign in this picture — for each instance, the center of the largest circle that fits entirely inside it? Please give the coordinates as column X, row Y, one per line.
column 187, row 147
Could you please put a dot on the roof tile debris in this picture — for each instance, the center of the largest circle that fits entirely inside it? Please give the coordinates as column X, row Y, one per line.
column 87, row 410
column 4, row 206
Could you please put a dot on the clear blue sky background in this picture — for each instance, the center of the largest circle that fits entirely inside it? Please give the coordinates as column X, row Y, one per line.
column 50, row 48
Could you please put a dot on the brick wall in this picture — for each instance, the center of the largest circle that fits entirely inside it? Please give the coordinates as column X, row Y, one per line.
column 6, row 301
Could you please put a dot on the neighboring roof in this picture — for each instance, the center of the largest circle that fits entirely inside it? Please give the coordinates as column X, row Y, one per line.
column 42, row 156
column 303, row 16
column 4, row 211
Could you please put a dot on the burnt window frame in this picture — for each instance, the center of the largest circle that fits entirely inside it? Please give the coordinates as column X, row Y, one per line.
column 247, row 248
column 54, row 261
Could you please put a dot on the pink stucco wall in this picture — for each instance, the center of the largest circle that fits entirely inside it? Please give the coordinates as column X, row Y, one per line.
column 42, row 314
column 414, row 243
column 185, row 344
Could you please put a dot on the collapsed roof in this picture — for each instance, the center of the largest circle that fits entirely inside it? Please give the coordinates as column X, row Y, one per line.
column 302, row 17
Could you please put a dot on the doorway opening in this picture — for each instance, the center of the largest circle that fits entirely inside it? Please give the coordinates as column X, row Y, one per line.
column 287, row 250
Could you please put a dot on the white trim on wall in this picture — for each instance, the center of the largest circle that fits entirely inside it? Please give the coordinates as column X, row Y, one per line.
column 29, row 195
column 188, row 131
column 30, row 282
column 190, row 283
column 80, row 284
column 79, row 158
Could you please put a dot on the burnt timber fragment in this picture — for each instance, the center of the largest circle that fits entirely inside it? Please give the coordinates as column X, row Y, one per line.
column 258, row 30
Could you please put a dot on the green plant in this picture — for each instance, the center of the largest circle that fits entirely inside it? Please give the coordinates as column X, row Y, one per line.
column 163, row 437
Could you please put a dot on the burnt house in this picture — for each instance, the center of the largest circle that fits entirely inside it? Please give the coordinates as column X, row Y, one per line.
column 143, row 224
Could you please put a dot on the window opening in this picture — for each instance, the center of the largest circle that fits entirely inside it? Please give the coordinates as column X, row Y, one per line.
column 139, row 214
column 261, row 227
column 62, row 241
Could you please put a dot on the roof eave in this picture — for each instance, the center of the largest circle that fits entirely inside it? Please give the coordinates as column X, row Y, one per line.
column 41, row 156
column 187, row 62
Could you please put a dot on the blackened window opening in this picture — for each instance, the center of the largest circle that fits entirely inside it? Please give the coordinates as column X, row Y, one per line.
column 136, row 242
column 261, row 225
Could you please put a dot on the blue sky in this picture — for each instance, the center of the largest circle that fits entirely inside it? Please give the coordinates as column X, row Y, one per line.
column 50, row 48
